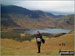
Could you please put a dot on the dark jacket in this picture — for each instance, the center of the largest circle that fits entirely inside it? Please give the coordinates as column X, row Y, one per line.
column 38, row 36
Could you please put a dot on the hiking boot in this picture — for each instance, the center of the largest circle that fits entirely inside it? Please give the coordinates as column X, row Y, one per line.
column 38, row 52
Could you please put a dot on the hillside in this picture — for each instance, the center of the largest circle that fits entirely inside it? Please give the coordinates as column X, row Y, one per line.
column 51, row 47
column 66, row 21
column 22, row 18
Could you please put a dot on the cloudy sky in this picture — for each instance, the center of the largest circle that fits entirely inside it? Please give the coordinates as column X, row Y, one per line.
column 56, row 7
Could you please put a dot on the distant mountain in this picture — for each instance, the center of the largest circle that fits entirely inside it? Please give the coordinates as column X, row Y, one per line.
column 18, row 17
column 19, row 10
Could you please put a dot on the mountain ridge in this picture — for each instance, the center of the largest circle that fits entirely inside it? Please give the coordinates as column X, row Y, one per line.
column 21, row 10
column 32, row 19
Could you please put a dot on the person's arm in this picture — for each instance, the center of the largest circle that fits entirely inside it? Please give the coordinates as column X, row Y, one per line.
column 41, row 36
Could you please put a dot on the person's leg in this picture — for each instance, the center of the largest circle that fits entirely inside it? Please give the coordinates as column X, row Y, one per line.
column 39, row 45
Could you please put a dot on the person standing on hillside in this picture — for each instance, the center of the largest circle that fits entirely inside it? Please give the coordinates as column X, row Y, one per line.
column 38, row 40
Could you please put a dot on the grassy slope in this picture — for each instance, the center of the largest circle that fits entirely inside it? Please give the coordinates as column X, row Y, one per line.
column 21, row 21
column 51, row 47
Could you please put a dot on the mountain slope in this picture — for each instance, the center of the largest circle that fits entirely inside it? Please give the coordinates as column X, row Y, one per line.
column 66, row 21
column 18, row 17
column 7, row 21
column 20, row 10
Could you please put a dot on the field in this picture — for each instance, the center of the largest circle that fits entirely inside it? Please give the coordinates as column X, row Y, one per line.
column 51, row 46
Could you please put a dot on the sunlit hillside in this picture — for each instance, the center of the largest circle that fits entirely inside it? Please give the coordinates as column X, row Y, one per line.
column 51, row 47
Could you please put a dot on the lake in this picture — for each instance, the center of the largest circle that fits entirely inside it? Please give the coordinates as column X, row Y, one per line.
column 48, row 30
